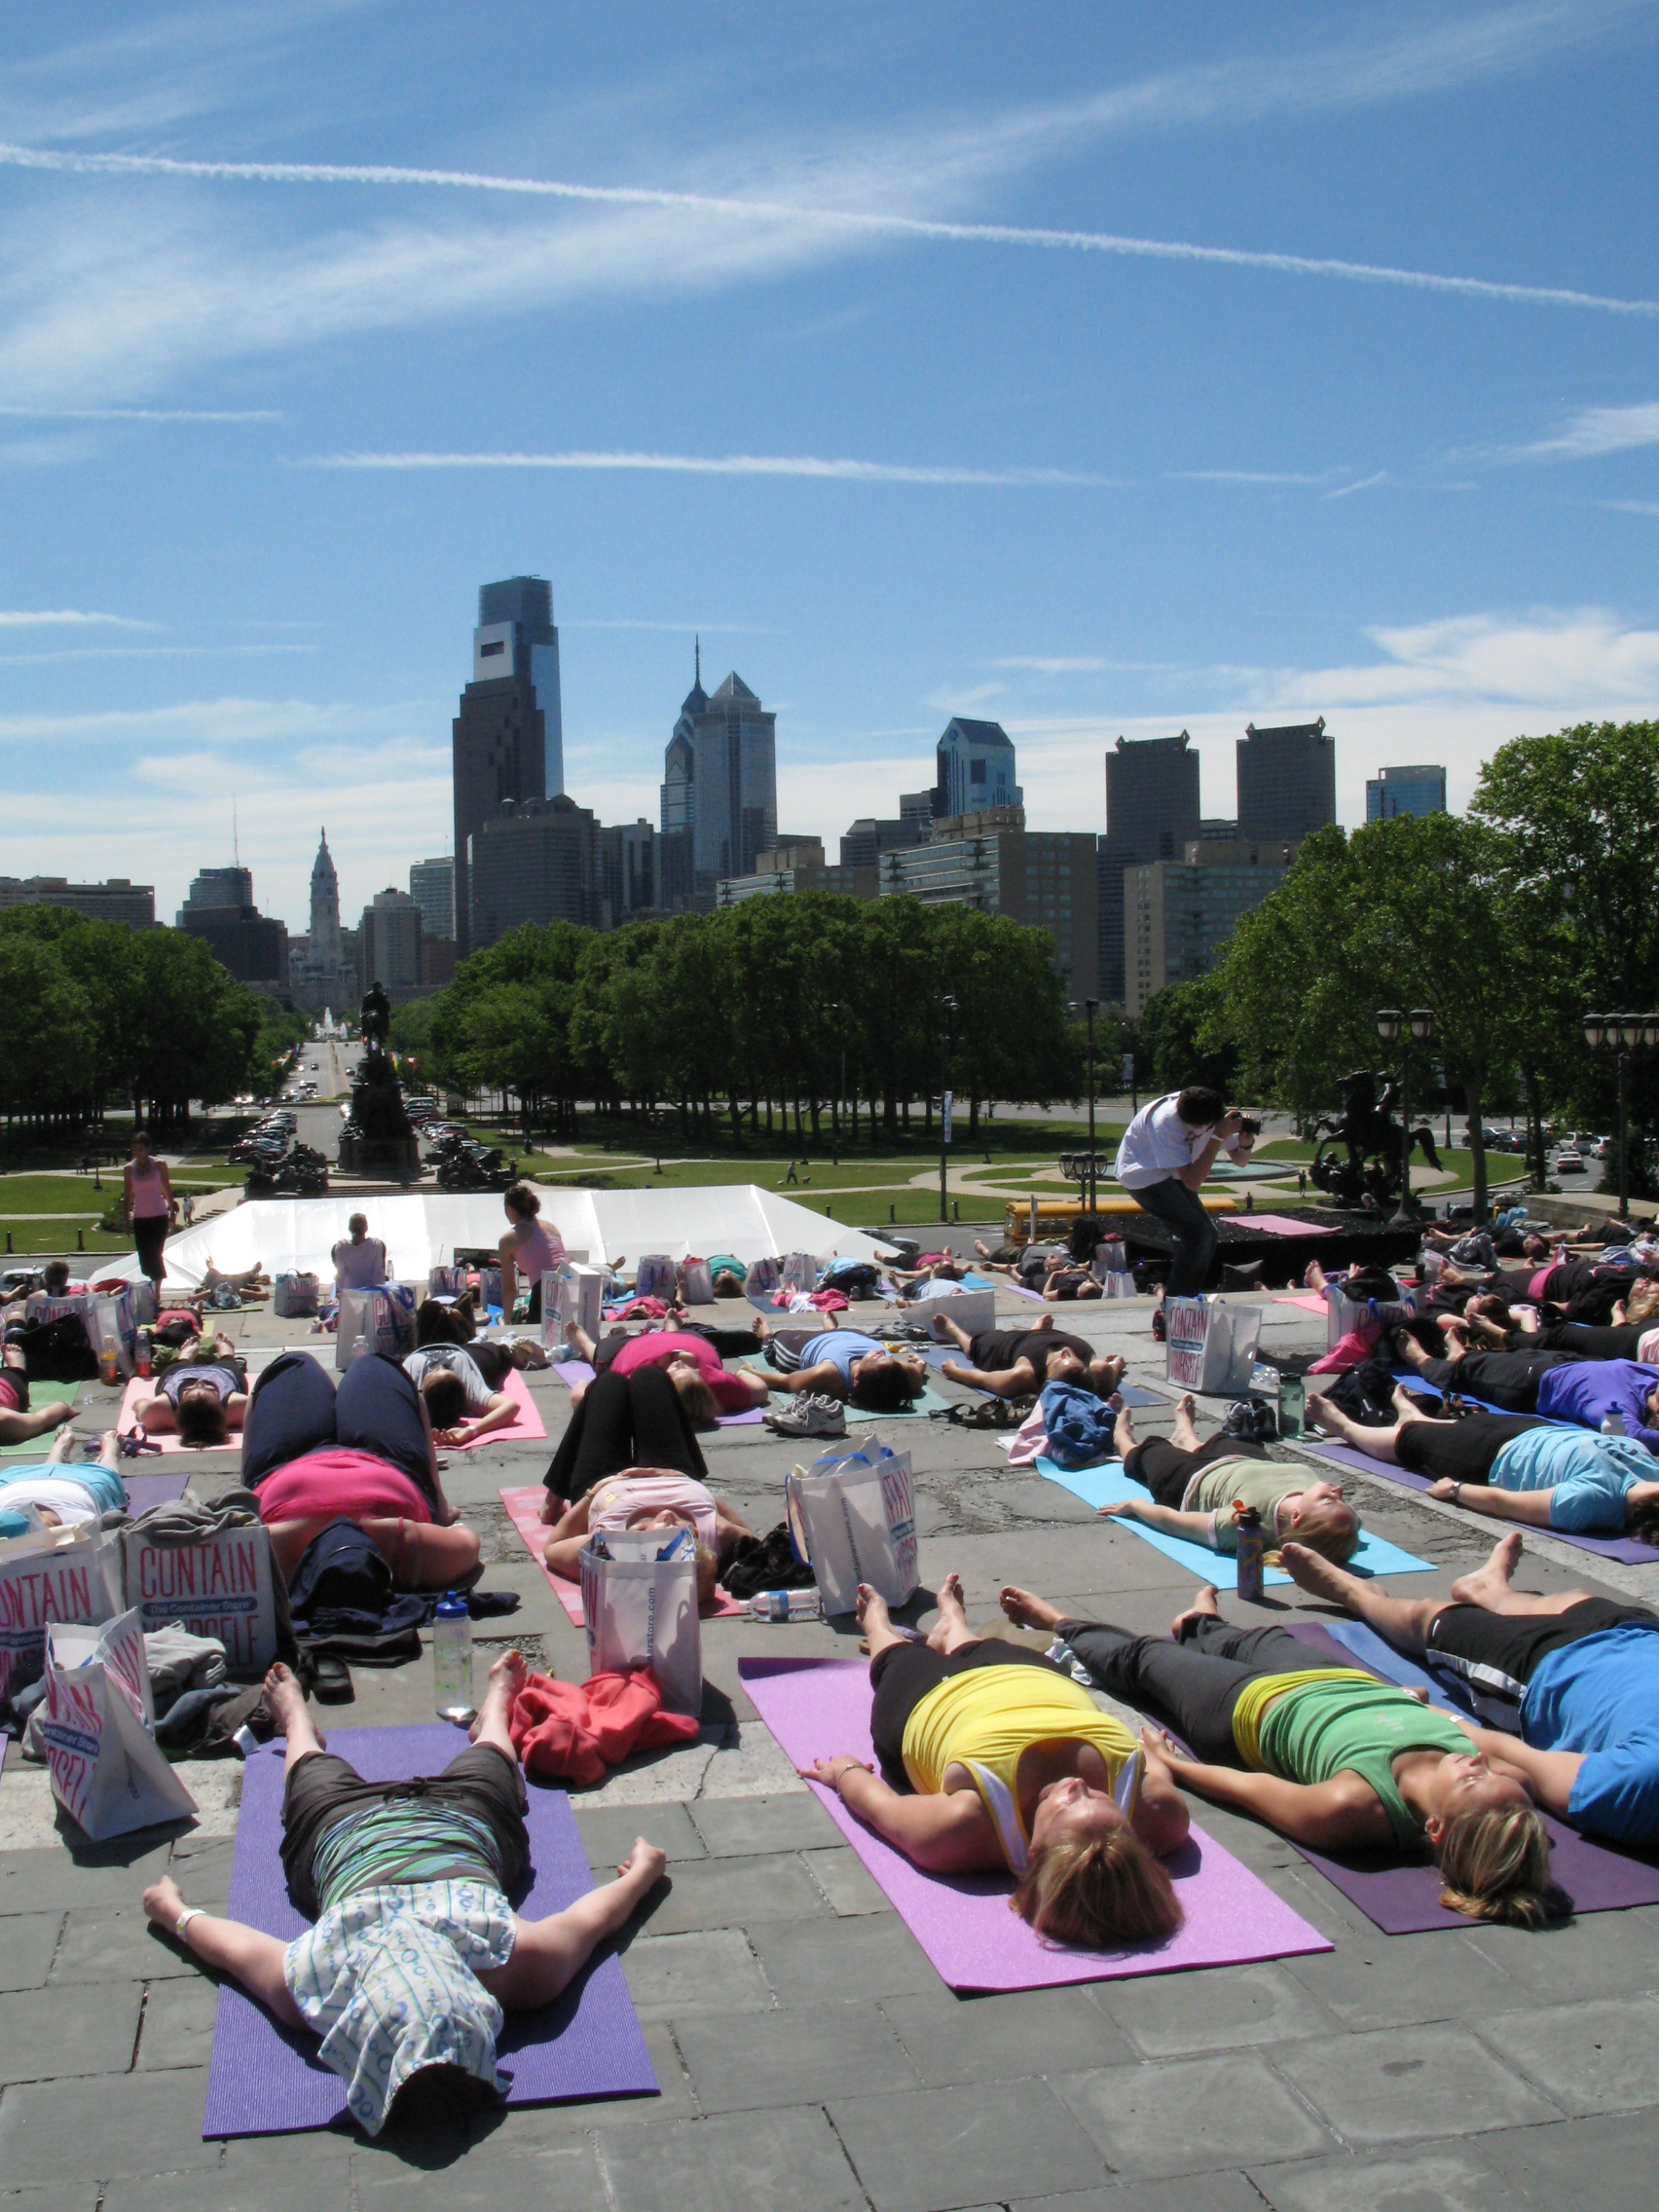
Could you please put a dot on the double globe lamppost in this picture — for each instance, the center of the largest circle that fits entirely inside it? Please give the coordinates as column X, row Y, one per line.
column 1622, row 1034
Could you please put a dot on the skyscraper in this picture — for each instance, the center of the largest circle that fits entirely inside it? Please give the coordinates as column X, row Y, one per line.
column 976, row 770
column 1151, row 813
column 501, row 735
column 1287, row 783
column 720, row 790
column 515, row 623
column 1393, row 792
column 389, row 944
column 220, row 911
column 322, row 964
column 533, row 860
column 431, row 886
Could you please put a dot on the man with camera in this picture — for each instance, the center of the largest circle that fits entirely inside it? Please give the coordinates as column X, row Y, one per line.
column 1167, row 1151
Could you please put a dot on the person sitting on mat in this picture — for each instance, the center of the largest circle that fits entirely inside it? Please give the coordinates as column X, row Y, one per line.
column 529, row 1249
column 1555, row 1384
column 1016, row 1363
column 416, row 1954
column 1333, row 1758
column 691, row 1362
column 844, row 1363
column 18, row 1423
column 460, row 1403
column 201, row 1397
column 992, row 1758
column 365, row 1454
column 359, row 1258
column 1193, row 1487
column 66, row 1493
column 1574, row 1677
column 1514, row 1467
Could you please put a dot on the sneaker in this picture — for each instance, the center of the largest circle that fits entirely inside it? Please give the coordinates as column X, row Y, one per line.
column 1160, row 1326
column 810, row 1415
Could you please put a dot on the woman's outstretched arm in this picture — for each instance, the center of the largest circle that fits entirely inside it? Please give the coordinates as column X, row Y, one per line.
column 948, row 1833
column 229, row 1946
column 1340, row 1814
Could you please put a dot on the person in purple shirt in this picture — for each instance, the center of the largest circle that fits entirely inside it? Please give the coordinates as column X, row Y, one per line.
column 1554, row 1384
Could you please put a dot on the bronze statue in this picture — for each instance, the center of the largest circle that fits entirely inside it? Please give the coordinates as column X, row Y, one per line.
column 376, row 1018
column 1370, row 1176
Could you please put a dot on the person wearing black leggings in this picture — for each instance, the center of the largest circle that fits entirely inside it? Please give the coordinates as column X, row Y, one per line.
column 294, row 1409
column 1506, row 1379
column 623, row 1421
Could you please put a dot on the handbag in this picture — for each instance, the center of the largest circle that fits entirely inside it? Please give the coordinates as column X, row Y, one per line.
column 640, row 1603
column 56, row 1574
column 293, row 1295
column 853, row 1519
column 655, row 1277
column 1211, row 1348
column 98, row 1730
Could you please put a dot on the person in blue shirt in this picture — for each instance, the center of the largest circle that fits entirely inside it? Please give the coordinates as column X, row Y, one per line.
column 842, row 1363
column 1571, row 1681
column 1556, row 1383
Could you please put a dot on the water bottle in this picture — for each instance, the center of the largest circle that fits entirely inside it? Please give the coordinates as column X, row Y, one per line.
column 786, row 1606
column 1292, row 1405
column 144, row 1360
column 1613, row 1422
column 452, row 1658
column 1247, row 1534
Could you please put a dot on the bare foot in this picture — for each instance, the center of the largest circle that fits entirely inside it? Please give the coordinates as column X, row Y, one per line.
column 1312, row 1572
column 1314, row 1277
column 1406, row 1406
column 952, row 1613
column 1325, row 1418
column 286, row 1700
column 163, row 1902
column 1204, row 1607
column 871, row 1612
column 507, row 1677
column 1026, row 1609
column 1492, row 1579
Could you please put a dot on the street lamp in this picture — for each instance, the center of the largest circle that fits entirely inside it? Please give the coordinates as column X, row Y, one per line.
column 1622, row 1034
column 1091, row 1191
column 835, row 1007
column 1405, row 1030
column 947, row 1010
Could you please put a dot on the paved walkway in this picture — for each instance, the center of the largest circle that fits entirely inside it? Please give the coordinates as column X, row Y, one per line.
column 808, row 2054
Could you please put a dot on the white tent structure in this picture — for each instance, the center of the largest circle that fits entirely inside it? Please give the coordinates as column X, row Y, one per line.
column 424, row 1231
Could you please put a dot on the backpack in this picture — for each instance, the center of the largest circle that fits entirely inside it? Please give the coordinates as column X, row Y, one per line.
column 764, row 1563
column 57, row 1351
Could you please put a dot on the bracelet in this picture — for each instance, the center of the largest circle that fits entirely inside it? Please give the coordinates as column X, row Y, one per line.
column 191, row 1912
column 1456, row 1494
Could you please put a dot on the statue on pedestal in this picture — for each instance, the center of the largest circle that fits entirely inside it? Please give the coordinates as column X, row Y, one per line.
column 1369, row 1175
column 376, row 1138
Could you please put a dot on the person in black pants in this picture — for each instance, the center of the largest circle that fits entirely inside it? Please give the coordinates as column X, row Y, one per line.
column 1166, row 1153
column 1017, row 1363
column 623, row 1421
column 1506, row 1379
column 295, row 1409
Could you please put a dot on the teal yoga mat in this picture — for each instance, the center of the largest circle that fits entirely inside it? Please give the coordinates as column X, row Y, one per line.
column 1101, row 1486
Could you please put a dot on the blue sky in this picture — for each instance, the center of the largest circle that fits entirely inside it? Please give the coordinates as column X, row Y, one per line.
column 1099, row 361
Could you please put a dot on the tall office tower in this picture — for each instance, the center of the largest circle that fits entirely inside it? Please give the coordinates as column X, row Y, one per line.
column 389, row 944
column 976, row 770
column 1045, row 877
column 627, row 872
column 431, row 886
column 504, row 729
column 863, row 845
column 1151, row 813
column 1287, row 783
column 1393, row 792
column 220, row 912
column 720, row 790
column 533, row 860
column 1178, row 915
column 220, row 887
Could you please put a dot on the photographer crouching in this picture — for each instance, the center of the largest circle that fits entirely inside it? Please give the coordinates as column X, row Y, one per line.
column 1167, row 1151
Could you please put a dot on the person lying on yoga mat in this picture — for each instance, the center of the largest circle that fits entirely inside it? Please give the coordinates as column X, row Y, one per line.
column 460, row 1403
column 203, row 1396
column 692, row 1365
column 363, row 1453
column 1557, row 1385
column 993, row 1759
column 641, row 1502
column 1016, row 1363
column 1332, row 1758
column 18, row 1423
column 1515, row 1467
column 66, row 1493
column 1193, row 1487
column 1574, row 1677
column 416, row 1954
column 841, row 1363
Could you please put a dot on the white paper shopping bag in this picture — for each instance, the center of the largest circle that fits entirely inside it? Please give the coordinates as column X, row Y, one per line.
column 640, row 1602
column 106, row 1770
column 655, row 1277
column 219, row 1585
column 1211, row 1347
column 571, row 1293
column 56, row 1574
column 853, row 1519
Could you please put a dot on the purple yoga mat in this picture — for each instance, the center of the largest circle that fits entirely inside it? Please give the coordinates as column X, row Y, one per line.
column 1630, row 1551
column 145, row 1490
column 267, row 2081
column 816, row 1708
column 1402, row 1898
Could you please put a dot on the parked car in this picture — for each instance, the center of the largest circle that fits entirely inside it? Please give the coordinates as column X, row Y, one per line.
column 1570, row 1163
column 1603, row 1148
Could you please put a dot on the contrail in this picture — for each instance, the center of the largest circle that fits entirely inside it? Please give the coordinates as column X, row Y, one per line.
column 711, row 464
column 765, row 211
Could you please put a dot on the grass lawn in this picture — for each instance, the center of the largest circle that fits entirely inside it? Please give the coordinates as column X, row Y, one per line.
column 52, row 1237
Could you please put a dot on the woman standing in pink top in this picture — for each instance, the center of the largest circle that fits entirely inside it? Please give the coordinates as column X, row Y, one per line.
column 527, row 1249
column 148, row 1203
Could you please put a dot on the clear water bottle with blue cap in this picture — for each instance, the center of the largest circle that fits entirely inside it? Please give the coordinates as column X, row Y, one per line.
column 452, row 1658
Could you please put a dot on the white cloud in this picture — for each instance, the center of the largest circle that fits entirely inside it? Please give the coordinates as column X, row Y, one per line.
column 146, row 414
column 229, row 721
column 152, row 652
column 840, row 471
column 1365, row 484
column 1246, row 476
column 66, row 618
column 1631, row 506
column 1598, row 431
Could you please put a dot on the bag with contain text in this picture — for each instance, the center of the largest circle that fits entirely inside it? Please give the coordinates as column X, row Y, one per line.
column 106, row 1770
column 800, row 1271
column 640, row 1602
column 655, row 1277
column 54, row 1575
column 853, row 1517
column 696, row 1284
column 220, row 1584
column 379, row 1320
column 762, row 1279
column 1211, row 1347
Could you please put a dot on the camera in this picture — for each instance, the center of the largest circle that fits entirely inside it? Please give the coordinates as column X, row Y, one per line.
column 1248, row 1125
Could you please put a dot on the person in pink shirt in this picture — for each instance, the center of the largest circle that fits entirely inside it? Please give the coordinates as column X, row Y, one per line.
column 695, row 1368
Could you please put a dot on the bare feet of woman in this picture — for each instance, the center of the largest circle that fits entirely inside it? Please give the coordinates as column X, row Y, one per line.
column 1406, row 1406
column 1026, row 1609
column 952, row 1613
column 1490, row 1580
column 1204, row 1607
column 870, row 1611
column 1309, row 1571
column 1315, row 1276
column 286, row 1700
column 507, row 1677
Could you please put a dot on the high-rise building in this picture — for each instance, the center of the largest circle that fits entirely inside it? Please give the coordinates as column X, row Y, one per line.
column 1045, row 877
column 1287, row 783
column 322, row 964
column 501, row 733
column 431, row 886
column 324, row 902
column 533, row 861
column 389, row 944
column 117, row 900
column 974, row 762
column 1179, row 913
column 796, row 864
column 720, row 790
column 220, row 887
column 1151, row 813
column 627, row 872
column 515, row 624
column 1405, row 791
column 863, row 845
column 219, row 910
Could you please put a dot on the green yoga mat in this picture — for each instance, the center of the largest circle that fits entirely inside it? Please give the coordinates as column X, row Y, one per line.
column 36, row 1446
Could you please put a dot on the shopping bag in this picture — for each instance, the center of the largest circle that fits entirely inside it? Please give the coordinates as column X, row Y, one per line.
column 655, row 1277
column 971, row 1310
column 1211, row 1348
column 853, row 1519
column 445, row 1283
column 490, row 1287
column 640, row 1602
column 56, row 1574
column 106, row 1770
column 575, row 1293
column 293, row 1295
column 380, row 1319
column 762, row 1279
column 219, row 1585
column 696, row 1284
column 800, row 1271
column 1343, row 1315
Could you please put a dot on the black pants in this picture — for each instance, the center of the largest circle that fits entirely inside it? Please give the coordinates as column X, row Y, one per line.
column 1196, row 1237
column 150, row 1235
column 1492, row 1656
column 1165, row 1469
column 730, row 1344
column 1506, row 1379
column 321, row 1791
column 905, row 1674
column 296, row 1409
column 494, row 1362
column 1586, row 1343
column 625, row 1421
column 1190, row 1686
column 1459, row 1450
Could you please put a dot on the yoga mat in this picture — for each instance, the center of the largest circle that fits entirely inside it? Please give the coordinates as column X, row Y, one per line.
column 1402, row 1898
column 1104, row 1485
column 37, row 1447
column 1285, row 1225
column 523, row 1511
column 145, row 1490
column 1629, row 1551
column 526, row 1427
column 816, row 1708
column 570, row 1371
column 267, row 2081
column 144, row 1387
column 929, row 1402
column 1310, row 1300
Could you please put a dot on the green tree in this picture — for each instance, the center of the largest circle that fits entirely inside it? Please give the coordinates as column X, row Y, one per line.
column 1173, row 1026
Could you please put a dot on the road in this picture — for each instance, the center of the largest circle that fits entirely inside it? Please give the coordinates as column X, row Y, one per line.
column 330, row 1064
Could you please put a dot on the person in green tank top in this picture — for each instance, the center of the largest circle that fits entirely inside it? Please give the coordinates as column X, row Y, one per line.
column 1330, row 1756
column 1193, row 1487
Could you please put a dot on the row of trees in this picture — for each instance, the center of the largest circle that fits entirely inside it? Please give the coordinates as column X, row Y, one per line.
column 814, row 1017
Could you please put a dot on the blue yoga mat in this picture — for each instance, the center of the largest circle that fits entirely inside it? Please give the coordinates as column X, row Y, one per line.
column 1104, row 1485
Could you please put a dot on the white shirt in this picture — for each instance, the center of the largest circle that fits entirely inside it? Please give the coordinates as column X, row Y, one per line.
column 359, row 1267
column 418, row 1365
column 1158, row 1144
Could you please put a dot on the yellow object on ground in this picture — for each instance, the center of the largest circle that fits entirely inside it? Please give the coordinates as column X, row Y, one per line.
column 1018, row 1217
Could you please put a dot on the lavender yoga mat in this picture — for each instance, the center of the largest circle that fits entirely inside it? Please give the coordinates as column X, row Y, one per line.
column 1402, row 1898
column 817, row 1706
column 267, row 2081
column 1630, row 1551
column 145, row 1490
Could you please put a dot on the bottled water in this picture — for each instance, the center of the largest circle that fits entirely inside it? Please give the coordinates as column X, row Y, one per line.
column 452, row 1658
column 786, row 1606
column 1613, row 1422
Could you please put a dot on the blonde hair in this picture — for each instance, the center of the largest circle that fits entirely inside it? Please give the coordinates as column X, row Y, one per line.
column 1329, row 1525
column 695, row 1395
column 1097, row 1893
column 1495, row 1865
column 1643, row 1303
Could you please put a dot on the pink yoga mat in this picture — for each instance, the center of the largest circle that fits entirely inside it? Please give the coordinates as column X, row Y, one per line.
column 816, row 1708
column 1282, row 1225
column 526, row 1427
column 1310, row 1300
column 144, row 1387
column 523, row 1511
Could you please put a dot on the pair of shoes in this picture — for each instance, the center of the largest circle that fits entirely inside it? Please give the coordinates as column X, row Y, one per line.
column 810, row 1415
column 1160, row 1326
column 527, row 1352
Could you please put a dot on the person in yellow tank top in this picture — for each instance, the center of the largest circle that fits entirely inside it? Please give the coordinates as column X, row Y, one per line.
column 994, row 1760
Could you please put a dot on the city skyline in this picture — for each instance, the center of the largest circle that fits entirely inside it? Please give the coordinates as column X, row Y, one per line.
column 1090, row 374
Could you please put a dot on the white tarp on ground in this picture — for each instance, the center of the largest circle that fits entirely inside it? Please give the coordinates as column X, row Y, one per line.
column 422, row 1230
